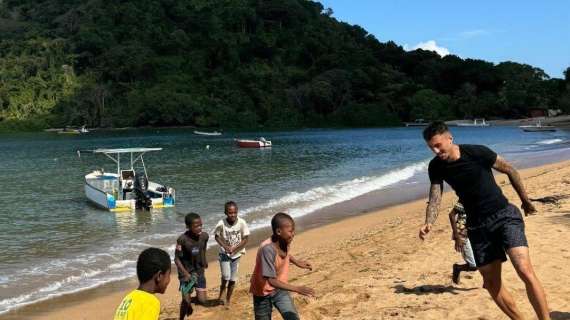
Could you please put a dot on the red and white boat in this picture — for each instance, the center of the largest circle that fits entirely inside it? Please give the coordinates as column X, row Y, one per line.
column 259, row 143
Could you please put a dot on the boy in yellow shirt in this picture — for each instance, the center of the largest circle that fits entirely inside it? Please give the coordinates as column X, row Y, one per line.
column 153, row 272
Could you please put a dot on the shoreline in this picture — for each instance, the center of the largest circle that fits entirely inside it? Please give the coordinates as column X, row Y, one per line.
column 354, row 211
column 561, row 121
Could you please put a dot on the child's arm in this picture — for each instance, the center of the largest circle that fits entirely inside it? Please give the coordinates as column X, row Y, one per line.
column 453, row 222
column 456, row 236
column 244, row 236
column 306, row 291
column 300, row 263
column 205, row 262
column 240, row 245
column 223, row 244
column 178, row 262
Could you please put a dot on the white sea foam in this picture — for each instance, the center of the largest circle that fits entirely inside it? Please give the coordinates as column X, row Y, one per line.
column 550, row 141
column 302, row 203
column 122, row 264
column 9, row 304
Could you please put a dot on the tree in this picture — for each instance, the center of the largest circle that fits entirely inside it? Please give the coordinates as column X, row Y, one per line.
column 428, row 104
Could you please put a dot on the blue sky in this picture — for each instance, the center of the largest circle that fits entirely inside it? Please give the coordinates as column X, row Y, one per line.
column 535, row 32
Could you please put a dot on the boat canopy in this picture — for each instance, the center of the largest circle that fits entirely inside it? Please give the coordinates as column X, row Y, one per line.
column 115, row 155
column 124, row 150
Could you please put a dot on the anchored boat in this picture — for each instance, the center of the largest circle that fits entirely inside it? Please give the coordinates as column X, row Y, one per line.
column 207, row 133
column 259, row 143
column 538, row 127
column 475, row 123
column 417, row 123
column 128, row 188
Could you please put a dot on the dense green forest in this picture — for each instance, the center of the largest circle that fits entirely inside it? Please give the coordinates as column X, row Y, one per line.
column 237, row 63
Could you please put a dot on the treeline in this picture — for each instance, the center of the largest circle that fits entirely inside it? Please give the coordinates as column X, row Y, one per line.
column 237, row 63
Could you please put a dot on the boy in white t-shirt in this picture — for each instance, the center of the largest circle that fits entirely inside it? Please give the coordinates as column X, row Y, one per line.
column 458, row 220
column 231, row 234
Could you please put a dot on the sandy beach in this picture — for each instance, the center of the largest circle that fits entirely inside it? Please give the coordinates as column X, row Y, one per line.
column 373, row 266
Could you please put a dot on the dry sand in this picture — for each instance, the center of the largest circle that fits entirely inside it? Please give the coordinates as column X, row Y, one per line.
column 374, row 267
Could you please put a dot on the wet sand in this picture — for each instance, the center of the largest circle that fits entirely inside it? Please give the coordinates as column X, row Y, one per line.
column 373, row 266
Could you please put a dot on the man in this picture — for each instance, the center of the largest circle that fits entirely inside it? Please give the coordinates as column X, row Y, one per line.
column 494, row 226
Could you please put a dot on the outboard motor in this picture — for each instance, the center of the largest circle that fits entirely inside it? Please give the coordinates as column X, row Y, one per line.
column 142, row 199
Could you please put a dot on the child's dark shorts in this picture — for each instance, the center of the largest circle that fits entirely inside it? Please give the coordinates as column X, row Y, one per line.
column 496, row 234
column 197, row 281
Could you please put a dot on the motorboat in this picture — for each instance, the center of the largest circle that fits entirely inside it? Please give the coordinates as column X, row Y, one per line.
column 206, row 133
column 66, row 130
column 259, row 143
column 475, row 123
column 128, row 188
column 417, row 123
column 538, row 127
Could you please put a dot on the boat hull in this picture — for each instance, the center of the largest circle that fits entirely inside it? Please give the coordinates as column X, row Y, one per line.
column 472, row 125
column 103, row 191
column 538, row 129
column 253, row 144
column 203, row 133
column 414, row 124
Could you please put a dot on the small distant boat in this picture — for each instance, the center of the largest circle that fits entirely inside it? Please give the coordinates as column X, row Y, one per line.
column 417, row 123
column 126, row 189
column 259, row 143
column 538, row 127
column 206, row 133
column 81, row 130
column 475, row 123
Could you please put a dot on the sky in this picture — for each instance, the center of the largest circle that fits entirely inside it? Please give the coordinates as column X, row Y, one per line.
column 535, row 32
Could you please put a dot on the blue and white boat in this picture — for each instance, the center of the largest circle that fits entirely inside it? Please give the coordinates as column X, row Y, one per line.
column 475, row 123
column 207, row 133
column 538, row 127
column 127, row 188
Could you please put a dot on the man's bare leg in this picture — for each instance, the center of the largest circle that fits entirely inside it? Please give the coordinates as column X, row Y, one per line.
column 521, row 261
column 493, row 283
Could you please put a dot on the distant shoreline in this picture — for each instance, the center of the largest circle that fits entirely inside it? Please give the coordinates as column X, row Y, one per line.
column 562, row 121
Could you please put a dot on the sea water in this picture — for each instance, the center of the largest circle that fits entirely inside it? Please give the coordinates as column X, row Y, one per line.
column 55, row 242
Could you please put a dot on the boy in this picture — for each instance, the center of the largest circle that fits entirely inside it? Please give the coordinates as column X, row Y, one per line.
column 458, row 219
column 190, row 259
column 153, row 272
column 231, row 234
column 269, row 279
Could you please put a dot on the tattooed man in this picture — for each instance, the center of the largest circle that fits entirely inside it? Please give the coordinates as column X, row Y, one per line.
column 494, row 225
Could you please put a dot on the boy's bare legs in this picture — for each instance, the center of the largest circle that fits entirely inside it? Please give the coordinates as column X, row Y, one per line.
column 231, row 286
column 185, row 307
column 521, row 261
column 201, row 296
column 222, row 290
column 493, row 283
column 457, row 268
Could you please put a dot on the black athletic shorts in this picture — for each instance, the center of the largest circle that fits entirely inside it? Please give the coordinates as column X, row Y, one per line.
column 496, row 234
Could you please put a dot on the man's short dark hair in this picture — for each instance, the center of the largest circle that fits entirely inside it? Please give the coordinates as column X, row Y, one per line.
column 190, row 218
column 278, row 220
column 151, row 261
column 228, row 205
column 435, row 128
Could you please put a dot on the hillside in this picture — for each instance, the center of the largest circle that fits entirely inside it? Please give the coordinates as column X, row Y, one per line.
column 236, row 63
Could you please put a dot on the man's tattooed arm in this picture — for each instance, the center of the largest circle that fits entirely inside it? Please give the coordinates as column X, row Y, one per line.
column 503, row 166
column 432, row 209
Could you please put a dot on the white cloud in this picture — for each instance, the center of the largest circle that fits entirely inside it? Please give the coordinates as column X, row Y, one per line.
column 429, row 45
